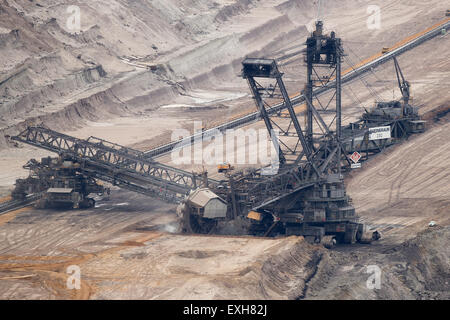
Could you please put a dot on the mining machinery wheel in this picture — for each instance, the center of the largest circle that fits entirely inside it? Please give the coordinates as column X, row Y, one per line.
column 329, row 241
column 196, row 224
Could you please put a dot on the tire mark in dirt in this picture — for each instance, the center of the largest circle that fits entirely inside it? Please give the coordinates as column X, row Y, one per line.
column 433, row 179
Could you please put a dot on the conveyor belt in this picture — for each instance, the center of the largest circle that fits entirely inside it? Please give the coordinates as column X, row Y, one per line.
column 348, row 75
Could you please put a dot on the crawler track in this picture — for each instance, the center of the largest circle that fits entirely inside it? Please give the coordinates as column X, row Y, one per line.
column 348, row 75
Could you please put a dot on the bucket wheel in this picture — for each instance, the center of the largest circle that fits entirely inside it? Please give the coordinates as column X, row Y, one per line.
column 329, row 241
column 197, row 225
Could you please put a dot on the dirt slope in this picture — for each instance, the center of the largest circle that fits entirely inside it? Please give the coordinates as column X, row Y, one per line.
column 125, row 250
column 66, row 80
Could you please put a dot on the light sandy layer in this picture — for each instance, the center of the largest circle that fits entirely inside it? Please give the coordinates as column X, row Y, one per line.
column 125, row 247
column 125, row 250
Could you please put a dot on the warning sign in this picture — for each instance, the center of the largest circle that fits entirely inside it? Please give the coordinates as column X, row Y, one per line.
column 378, row 133
column 355, row 157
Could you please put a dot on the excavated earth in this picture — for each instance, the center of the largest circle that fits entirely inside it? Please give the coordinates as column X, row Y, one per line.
column 136, row 71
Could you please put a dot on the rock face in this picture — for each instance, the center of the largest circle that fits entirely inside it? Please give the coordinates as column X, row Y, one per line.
column 127, row 55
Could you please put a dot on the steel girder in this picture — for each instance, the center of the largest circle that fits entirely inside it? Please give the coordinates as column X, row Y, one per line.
column 116, row 164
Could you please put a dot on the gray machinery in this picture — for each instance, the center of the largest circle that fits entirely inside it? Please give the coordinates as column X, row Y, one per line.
column 60, row 182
